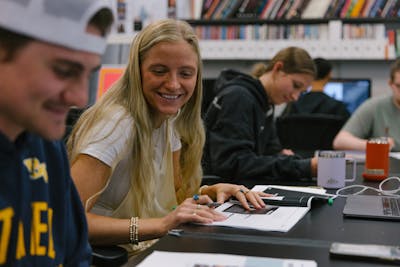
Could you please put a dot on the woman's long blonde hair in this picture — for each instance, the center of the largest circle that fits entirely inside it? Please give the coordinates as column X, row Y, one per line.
column 128, row 93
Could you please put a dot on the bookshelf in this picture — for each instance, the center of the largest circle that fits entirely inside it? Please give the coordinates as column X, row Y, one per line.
column 251, row 39
column 355, row 28
column 352, row 57
column 287, row 9
column 360, row 39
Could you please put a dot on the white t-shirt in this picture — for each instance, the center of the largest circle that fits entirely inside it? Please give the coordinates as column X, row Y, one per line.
column 114, row 150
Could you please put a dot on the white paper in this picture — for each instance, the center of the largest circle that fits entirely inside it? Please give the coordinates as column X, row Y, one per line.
column 274, row 218
column 280, row 219
column 305, row 189
column 181, row 259
column 359, row 156
column 395, row 155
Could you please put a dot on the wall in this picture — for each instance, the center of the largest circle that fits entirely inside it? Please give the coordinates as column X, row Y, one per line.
column 377, row 71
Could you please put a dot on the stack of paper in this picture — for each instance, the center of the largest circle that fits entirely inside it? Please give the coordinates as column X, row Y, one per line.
column 279, row 217
column 180, row 259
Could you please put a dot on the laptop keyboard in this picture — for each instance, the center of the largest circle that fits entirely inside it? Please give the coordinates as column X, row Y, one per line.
column 391, row 206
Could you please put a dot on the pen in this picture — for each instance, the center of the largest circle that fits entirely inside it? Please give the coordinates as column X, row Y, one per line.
column 272, row 195
column 175, row 232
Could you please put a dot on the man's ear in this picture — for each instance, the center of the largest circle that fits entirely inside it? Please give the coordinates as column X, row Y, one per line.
column 5, row 55
column 2, row 53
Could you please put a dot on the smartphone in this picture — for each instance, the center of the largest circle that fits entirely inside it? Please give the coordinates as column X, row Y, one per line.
column 365, row 251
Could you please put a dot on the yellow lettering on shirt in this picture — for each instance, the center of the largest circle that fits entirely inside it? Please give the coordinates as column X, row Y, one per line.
column 41, row 226
column 51, row 252
column 5, row 220
column 21, row 251
column 38, row 228
column 36, row 169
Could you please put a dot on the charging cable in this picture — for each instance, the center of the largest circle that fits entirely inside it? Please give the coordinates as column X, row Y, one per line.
column 363, row 188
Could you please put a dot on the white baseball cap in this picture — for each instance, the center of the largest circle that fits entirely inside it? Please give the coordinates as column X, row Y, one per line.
column 61, row 22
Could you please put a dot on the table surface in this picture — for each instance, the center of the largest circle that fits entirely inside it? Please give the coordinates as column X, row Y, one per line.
column 310, row 238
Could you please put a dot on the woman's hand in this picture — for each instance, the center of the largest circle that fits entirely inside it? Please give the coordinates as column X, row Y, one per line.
column 314, row 166
column 391, row 143
column 193, row 209
column 223, row 192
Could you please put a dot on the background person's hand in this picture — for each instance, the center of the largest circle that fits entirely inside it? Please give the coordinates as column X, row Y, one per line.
column 287, row 152
column 391, row 143
column 314, row 166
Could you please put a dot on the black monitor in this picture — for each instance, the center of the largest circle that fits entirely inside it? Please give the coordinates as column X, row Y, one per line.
column 353, row 92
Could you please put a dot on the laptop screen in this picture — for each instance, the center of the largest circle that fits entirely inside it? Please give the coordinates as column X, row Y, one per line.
column 353, row 92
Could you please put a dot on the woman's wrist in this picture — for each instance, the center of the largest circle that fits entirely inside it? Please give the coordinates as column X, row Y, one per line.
column 165, row 224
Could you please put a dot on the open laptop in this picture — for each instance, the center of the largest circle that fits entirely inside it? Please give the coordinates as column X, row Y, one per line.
column 369, row 206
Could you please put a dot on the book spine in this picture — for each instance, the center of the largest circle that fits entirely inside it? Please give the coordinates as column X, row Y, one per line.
column 357, row 9
column 211, row 9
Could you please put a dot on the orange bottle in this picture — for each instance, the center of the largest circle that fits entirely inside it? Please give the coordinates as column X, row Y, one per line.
column 377, row 159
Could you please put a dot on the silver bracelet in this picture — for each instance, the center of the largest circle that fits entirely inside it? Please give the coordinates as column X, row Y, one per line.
column 134, row 230
column 136, row 235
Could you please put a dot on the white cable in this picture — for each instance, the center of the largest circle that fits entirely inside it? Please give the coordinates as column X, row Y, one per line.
column 363, row 188
column 390, row 192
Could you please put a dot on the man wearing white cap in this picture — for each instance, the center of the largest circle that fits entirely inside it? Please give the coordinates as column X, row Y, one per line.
column 48, row 49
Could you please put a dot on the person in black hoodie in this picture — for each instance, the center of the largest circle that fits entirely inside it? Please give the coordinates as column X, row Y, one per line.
column 316, row 101
column 241, row 141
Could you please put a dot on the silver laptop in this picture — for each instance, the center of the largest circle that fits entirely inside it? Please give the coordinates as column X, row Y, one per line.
column 368, row 206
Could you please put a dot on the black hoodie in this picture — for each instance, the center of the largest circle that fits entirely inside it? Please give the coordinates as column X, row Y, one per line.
column 241, row 140
column 318, row 102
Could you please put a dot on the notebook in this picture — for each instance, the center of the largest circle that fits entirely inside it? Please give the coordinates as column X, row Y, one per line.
column 368, row 206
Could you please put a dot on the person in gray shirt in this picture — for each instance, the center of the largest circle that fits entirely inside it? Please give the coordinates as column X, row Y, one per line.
column 376, row 117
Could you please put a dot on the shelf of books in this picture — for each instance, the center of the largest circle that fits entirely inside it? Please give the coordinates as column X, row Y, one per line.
column 257, row 29
column 287, row 9
column 335, row 29
column 333, row 40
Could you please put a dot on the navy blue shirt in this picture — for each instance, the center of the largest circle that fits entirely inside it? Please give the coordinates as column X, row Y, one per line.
column 42, row 222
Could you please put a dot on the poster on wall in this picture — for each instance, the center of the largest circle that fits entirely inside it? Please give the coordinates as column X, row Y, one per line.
column 108, row 75
column 133, row 15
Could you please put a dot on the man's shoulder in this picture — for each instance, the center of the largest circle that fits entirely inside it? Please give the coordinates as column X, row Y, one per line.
column 379, row 99
column 373, row 103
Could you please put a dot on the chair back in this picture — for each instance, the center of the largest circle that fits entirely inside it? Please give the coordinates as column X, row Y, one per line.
column 72, row 118
column 308, row 132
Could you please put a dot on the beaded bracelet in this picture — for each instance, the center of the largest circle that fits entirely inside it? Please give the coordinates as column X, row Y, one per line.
column 134, row 230
column 136, row 237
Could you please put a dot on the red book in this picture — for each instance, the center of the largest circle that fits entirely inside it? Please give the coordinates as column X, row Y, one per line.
column 212, row 9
